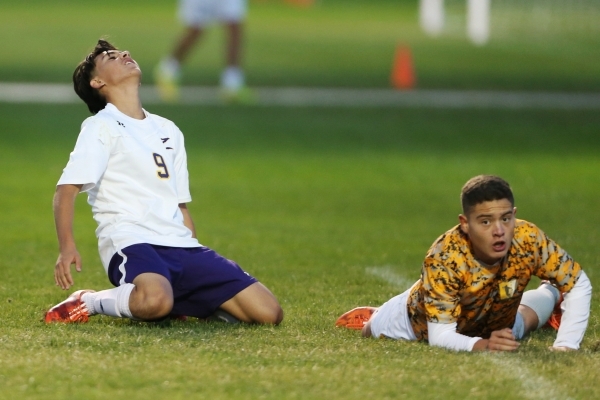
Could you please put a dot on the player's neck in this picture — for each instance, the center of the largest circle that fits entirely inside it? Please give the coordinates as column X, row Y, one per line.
column 127, row 100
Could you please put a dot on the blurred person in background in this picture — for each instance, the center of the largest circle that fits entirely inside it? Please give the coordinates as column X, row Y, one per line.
column 196, row 16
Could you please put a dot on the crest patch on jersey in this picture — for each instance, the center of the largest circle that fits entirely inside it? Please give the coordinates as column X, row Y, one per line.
column 507, row 289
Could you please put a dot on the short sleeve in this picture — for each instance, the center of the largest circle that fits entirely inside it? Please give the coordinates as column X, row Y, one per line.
column 89, row 158
column 181, row 171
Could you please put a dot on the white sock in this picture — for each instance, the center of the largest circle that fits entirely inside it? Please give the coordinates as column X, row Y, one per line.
column 113, row 302
column 232, row 78
column 541, row 300
column 170, row 67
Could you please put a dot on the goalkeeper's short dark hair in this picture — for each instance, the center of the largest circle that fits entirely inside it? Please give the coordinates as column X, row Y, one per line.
column 483, row 188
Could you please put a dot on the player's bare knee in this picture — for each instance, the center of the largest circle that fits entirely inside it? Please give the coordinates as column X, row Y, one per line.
column 159, row 305
column 151, row 305
column 278, row 316
column 270, row 315
column 152, row 297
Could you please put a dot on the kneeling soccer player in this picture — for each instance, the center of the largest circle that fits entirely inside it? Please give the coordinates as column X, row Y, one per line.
column 471, row 295
column 133, row 166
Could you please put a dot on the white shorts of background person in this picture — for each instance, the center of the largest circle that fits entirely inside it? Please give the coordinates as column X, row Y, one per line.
column 199, row 13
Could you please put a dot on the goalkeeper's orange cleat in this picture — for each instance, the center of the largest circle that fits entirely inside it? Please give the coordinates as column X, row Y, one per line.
column 71, row 310
column 356, row 318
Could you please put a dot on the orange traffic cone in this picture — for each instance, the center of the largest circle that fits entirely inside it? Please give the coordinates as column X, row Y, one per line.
column 403, row 73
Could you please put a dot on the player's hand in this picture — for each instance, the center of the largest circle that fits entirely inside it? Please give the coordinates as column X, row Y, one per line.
column 560, row 348
column 62, row 269
column 502, row 340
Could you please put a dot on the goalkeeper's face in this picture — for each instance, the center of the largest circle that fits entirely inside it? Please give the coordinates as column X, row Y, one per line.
column 490, row 226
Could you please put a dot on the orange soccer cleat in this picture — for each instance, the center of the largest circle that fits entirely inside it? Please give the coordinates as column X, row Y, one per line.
column 356, row 318
column 71, row 310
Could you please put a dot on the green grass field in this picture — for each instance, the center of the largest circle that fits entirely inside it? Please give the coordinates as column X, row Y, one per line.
column 319, row 204
column 329, row 207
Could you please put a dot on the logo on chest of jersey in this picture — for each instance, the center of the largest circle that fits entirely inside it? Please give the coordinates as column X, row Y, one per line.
column 508, row 289
column 121, row 124
column 164, row 140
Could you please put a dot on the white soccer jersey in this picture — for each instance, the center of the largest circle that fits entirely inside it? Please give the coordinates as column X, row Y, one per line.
column 135, row 175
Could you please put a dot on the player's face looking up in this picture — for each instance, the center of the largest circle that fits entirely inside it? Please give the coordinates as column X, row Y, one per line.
column 114, row 66
column 490, row 226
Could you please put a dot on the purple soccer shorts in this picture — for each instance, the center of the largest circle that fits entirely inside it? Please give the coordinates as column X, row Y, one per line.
column 202, row 279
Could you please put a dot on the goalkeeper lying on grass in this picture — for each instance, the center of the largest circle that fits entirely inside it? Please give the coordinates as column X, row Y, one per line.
column 471, row 295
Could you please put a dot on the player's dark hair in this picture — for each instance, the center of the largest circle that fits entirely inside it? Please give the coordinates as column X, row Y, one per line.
column 83, row 76
column 484, row 188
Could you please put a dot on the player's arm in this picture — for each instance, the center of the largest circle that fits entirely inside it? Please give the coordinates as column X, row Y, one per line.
column 442, row 281
column 576, row 312
column 556, row 265
column 64, row 209
column 445, row 335
column 187, row 219
column 501, row 340
column 442, row 304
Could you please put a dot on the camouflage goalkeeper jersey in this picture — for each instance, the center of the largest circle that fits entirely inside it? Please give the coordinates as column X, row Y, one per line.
column 455, row 287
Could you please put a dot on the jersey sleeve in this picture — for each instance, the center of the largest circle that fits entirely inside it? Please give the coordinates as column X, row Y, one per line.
column 89, row 158
column 575, row 314
column 445, row 335
column 442, row 288
column 181, row 171
column 552, row 262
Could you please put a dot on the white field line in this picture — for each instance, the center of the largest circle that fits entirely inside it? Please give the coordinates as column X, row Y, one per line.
column 534, row 386
column 330, row 97
column 388, row 274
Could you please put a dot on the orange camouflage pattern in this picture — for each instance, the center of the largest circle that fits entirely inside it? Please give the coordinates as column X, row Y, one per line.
column 455, row 287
